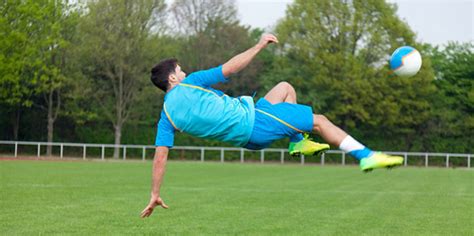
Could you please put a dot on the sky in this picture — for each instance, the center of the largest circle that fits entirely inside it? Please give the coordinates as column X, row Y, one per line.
column 434, row 21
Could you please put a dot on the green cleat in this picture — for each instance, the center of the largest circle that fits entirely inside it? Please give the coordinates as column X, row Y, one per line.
column 307, row 147
column 380, row 160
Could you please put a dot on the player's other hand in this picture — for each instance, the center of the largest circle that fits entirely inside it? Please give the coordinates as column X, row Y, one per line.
column 267, row 39
column 154, row 201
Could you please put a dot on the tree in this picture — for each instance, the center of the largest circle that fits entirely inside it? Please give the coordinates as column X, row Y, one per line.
column 452, row 122
column 20, row 36
column 60, row 23
column 32, row 55
column 115, row 57
column 194, row 16
column 335, row 54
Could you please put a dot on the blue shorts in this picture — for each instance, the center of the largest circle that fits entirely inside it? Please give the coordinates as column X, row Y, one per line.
column 277, row 121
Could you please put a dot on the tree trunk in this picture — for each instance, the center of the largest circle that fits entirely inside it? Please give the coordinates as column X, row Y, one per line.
column 408, row 142
column 16, row 123
column 50, row 124
column 119, row 115
column 50, row 133
column 118, row 137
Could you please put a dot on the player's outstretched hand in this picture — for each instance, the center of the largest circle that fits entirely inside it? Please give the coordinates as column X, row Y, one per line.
column 153, row 203
column 267, row 39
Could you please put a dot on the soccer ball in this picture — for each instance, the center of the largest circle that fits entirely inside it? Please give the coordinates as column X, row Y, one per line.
column 405, row 61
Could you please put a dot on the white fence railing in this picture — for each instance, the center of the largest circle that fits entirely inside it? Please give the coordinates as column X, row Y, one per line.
column 425, row 155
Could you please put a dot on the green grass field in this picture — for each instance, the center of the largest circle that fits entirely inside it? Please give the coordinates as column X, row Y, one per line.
column 44, row 197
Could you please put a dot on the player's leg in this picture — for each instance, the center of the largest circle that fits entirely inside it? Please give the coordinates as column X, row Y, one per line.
column 282, row 92
column 337, row 137
column 278, row 116
column 327, row 130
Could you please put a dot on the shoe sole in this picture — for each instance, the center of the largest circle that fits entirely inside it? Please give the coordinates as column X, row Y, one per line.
column 320, row 152
column 368, row 170
column 295, row 154
column 388, row 167
column 317, row 153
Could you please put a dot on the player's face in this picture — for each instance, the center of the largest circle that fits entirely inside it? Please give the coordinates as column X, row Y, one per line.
column 179, row 73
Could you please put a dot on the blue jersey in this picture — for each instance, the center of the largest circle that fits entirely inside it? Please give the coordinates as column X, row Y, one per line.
column 195, row 108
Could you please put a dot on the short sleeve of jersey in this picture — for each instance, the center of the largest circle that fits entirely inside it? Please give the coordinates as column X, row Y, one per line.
column 165, row 132
column 206, row 78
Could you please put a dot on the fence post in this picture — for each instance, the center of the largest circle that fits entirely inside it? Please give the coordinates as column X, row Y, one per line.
column 241, row 155
column 222, row 154
column 426, row 159
column 39, row 149
column 343, row 158
column 406, row 159
column 124, row 152
column 262, row 156
column 102, row 154
column 61, row 151
column 469, row 161
column 16, row 149
column 322, row 158
column 143, row 153
column 447, row 160
column 302, row 159
column 202, row 154
column 84, row 152
column 282, row 157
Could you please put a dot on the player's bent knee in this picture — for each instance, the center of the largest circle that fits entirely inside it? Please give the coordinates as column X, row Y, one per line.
column 285, row 84
column 287, row 87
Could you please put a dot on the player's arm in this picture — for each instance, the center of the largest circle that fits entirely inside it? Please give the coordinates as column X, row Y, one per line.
column 239, row 62
column 159, row 163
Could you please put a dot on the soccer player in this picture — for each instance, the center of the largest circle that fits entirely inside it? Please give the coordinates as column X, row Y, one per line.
column 191, row 105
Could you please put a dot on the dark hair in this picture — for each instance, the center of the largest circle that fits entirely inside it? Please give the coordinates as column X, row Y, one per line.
column 161, row 72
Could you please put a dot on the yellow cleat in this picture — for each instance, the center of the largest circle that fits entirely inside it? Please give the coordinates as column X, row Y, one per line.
column 307, row 147
column 380, row 160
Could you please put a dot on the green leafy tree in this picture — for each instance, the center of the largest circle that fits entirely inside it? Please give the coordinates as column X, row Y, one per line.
column 20, row 37
column 35, row 35
column 115, row 59
column 452, row 123
column 335, row 54
column 60, row 22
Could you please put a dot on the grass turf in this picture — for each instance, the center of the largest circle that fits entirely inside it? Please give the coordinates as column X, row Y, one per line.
column 41, row 197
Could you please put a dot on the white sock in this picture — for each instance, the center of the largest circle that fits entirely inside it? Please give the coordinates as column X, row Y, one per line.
column 349, row 144
column 354, row 148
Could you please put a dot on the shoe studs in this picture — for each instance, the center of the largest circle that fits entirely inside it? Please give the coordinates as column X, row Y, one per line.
column 368, row 170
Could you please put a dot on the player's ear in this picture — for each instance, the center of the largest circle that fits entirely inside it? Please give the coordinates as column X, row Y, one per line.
column 172, row 77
